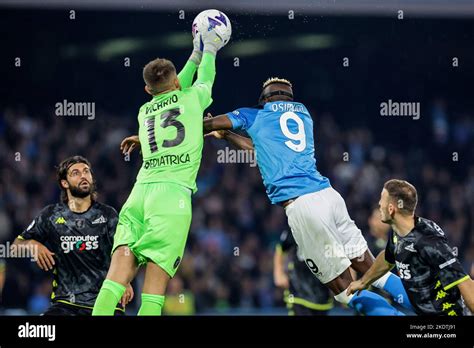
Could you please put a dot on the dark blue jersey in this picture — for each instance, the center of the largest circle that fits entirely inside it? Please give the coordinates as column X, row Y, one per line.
column 428, row 268
column 82, row 243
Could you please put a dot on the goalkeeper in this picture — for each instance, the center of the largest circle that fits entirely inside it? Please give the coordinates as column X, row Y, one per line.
column 154, row 221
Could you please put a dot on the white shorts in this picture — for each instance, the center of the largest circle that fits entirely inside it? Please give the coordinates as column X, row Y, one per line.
column 327, row 238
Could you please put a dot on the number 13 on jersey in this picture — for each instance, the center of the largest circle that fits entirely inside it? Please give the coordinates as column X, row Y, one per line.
column 168, row 119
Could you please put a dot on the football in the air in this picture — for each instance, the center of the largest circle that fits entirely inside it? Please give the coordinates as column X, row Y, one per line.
column 213, row 20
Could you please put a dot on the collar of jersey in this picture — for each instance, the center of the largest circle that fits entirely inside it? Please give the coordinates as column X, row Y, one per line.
column 417, row 221
column 158, row 96
column 90, row 207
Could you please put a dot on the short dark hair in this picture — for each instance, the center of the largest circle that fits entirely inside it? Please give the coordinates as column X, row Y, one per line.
column 157, row 74
column 61, row 174
column 404, row 194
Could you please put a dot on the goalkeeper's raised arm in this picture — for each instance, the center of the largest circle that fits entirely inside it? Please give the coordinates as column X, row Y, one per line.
column 207, row 68
column 186, row 75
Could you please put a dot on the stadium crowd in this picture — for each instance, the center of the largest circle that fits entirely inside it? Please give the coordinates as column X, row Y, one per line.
column 228, row 261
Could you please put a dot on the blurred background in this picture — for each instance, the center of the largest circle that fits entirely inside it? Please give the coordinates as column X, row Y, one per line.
column 343, row 59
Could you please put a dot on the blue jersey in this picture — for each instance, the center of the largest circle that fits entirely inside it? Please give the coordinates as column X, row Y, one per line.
column 282, row 135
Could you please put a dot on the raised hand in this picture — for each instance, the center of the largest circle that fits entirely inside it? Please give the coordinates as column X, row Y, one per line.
column 129, row 144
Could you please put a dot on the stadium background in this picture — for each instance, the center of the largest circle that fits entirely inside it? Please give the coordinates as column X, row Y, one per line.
column 84, row 59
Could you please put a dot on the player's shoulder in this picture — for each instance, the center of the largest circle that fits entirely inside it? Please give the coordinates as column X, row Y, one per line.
column 188, row 90
column 252, row 109
column 144, row 105
column 428, row 229
column 105, row 209
column 143, row 109
column 47, row 213
column 199, row 92
column 194, row 88
column 50, row 209
column 246, row 111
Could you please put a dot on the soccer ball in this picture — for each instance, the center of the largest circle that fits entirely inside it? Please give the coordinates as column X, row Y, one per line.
column 213, row 20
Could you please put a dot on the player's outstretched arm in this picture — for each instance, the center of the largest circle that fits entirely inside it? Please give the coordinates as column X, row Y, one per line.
column 218, row 127
column 467, row 292
column 378, row 269
column 207, row 69
column 221, row 122
column 238, row 141
column 186, row 75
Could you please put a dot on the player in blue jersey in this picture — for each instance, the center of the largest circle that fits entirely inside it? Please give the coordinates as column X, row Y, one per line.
column 281, row 133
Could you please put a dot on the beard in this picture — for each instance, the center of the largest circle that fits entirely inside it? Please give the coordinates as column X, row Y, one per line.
column 386, row 218
column 78, row 192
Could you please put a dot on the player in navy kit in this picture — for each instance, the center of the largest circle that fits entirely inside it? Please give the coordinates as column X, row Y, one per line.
column 430, row 271
column 281, row 133
column 303, row 292
column 74, row 239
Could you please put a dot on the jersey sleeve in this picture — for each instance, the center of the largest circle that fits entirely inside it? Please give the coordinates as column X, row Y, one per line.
column 390, row 249
column 437, row 253
column 242, row 118
column 205, row 80
column 186, row 75
column 286, row 241
column 39, row 228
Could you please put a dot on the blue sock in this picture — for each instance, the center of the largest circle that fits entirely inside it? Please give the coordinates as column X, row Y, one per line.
column 395, row 288
column 369, row 303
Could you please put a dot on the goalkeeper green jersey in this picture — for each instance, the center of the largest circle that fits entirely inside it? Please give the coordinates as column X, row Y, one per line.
column 171, row 128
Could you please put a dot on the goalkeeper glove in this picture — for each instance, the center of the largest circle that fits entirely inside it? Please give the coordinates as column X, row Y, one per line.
column 212, row 42
column 197, row 49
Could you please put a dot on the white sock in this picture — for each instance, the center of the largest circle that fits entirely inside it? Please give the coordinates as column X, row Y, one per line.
column 380, row 283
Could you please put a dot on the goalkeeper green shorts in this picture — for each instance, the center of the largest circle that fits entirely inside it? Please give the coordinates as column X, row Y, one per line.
column 154, row 223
